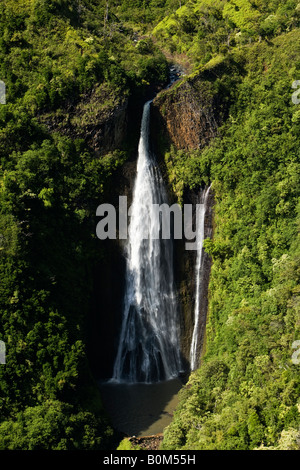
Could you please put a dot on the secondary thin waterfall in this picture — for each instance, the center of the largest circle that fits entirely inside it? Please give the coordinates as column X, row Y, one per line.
column 148, row 349
column 194, row 350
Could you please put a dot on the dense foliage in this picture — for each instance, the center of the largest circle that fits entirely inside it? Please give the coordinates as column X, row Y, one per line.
column 57, row 56
column 75, row 62
column 246, row 393
column 202, row 29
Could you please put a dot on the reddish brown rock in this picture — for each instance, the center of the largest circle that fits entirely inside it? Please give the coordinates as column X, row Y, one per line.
column 186, row 113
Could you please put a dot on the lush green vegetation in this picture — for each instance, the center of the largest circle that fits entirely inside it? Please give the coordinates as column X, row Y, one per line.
column 201, row 29
column 125, row 444
column 76, row 61
column 246, row 393
column 57, row 56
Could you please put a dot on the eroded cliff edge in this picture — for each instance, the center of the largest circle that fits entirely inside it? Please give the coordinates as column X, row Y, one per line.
column 184, row 115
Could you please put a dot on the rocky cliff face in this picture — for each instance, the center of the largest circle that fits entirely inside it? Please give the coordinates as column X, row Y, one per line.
column 185, row 114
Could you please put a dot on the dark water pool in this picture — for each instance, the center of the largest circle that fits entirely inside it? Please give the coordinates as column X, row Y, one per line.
column 140, row 409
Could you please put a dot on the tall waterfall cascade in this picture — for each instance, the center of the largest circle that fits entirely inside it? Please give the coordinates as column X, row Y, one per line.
column 202, row 207
column 149, row 343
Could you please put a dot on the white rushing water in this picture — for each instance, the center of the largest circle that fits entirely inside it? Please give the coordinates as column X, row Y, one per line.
column 194, row 353
column 149, row 346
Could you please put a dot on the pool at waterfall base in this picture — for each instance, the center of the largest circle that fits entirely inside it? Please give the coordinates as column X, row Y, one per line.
column 140, row 409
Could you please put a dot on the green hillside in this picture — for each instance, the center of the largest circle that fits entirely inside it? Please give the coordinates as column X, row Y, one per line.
column 57, row 57
column 246, row 393
column 69, row 64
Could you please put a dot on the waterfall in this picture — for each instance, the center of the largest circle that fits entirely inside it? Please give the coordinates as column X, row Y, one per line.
column 148, row 349
column 194, row 353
